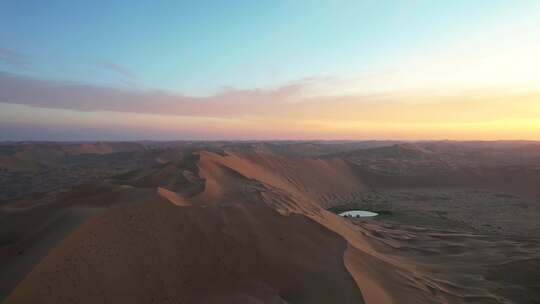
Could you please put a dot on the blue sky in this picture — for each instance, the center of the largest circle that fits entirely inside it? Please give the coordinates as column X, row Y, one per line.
column 201, row 67
column 197, row 47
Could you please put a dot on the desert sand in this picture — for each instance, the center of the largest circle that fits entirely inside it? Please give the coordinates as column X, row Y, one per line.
column 258, row 223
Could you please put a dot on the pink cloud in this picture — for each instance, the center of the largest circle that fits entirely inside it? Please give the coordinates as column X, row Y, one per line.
column 16, row 89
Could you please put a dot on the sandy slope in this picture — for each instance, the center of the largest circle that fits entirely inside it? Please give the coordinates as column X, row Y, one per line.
column 238, row 227
column 228, row 245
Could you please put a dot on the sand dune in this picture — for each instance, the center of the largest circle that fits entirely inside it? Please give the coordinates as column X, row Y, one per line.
column 236, row 225
column 227, row 242
column 33, row 156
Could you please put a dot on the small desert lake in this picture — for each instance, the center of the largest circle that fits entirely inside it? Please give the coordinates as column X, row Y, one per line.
column 358, row 213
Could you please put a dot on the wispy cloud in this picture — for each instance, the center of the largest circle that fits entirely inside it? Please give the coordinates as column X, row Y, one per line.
column 229, row 102
column 117, row 68
column 285, row 103
column 14, row 59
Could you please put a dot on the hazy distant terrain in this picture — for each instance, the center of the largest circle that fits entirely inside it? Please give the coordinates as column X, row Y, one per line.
column 255, row 222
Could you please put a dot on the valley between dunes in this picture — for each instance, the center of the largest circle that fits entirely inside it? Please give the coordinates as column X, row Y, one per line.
column 235, row 225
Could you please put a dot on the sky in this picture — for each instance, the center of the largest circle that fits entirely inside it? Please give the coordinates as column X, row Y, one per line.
column 335, row 69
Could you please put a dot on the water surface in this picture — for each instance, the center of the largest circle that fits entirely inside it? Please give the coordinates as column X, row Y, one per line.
column 358, row 213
